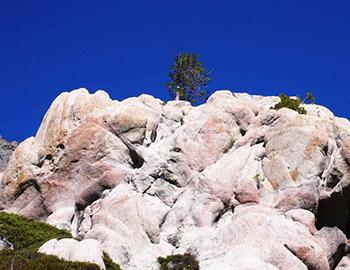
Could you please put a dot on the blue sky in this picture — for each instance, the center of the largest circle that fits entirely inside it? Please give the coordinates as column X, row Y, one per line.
column 126, row 47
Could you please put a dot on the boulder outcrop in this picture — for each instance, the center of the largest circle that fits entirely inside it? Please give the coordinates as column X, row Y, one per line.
column 6, row 149
column 233, row 182
column 87, row 250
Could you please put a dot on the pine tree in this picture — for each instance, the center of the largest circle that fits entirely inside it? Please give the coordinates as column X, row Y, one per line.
column 189, row 79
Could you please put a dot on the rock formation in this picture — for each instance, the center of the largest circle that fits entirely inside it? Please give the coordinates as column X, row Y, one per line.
column 87, row 250
column 237, row 184
column 6, row 149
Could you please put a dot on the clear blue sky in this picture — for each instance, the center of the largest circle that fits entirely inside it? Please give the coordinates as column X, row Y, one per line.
column 125, row 47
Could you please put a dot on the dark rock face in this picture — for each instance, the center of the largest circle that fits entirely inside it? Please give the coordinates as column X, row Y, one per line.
column 6, row 149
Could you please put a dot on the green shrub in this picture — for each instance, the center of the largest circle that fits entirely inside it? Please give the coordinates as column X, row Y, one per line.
column 179, row 262
column 27, row 234
column 28, row 260
column 290, row 103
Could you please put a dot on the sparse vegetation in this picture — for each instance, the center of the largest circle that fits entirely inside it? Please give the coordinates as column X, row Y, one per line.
column 310, row 98
column 28, row 260
column 27, row 236
column 179, row 262
column 294, row 103
column 290, row 103
column 189, row 78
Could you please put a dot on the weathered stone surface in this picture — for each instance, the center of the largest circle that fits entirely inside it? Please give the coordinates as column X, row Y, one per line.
column 334, row 241
column 305, row 217
column 87, row 250
column 6, row 150
column 344, row 263
column 127, row 224
column 231, row 181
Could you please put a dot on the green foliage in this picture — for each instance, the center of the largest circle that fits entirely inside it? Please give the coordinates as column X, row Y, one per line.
column 189, row 78
column 294, row 103
column 110, row 265
column 291, row 103
column 179, row 262
column 309, row 98
column 28, row 260
column 28, row 234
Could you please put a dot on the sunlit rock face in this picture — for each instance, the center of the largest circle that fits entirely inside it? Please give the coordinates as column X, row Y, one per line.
column 87, row 250
column 237, row 184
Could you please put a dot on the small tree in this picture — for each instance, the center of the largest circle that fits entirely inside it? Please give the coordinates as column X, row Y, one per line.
column 189, row 78
column 294, row 103
column 290, row 103
column 309, row 98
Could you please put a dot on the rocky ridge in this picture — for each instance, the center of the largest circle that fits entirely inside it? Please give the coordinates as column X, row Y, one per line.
column 237, row 184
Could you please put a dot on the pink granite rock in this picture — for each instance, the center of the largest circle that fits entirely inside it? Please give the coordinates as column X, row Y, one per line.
column 239, row 185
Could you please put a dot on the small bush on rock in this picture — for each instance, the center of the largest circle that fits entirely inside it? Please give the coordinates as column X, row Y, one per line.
column 25, row 233
column 179, row 262
column 290, row 103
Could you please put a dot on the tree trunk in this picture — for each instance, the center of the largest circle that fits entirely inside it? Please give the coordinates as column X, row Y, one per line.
column 177, row 98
